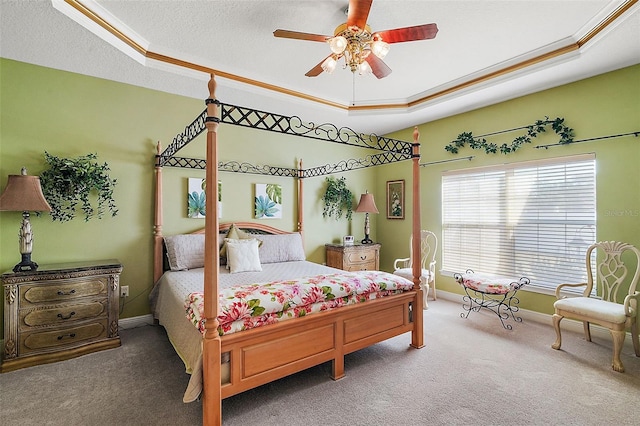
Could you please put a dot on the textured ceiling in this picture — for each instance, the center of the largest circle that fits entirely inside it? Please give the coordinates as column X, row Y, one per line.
column 484, row 52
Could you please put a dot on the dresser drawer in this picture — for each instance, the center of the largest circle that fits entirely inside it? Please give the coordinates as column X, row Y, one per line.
column 38, row 341
column 58, row 315
column 62, row 290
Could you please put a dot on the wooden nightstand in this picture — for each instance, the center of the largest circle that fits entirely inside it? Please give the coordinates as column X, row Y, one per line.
column 358, row 257
column 59, row 312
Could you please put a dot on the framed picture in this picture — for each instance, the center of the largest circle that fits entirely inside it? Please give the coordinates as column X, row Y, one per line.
column 395, row 199
column 196, row 200
column 268, row 201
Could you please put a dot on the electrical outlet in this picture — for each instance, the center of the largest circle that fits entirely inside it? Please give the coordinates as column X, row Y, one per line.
column 124, row 291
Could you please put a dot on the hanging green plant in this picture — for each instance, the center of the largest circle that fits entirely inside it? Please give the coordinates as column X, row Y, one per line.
column 337, row 198
column 558, row 126
column 70, row 183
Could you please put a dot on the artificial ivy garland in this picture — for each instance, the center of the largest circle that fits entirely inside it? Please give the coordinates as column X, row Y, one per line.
column 566, row 137
column 337, row 198
column 71, row 183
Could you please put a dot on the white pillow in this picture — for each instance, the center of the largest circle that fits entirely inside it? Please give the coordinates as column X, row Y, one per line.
column 242, row 255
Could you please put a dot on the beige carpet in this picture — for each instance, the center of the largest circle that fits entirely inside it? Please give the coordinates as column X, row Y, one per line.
column 471, row 371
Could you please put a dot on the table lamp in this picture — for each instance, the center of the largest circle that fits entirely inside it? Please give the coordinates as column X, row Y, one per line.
column 24, row 194
column 366, row 205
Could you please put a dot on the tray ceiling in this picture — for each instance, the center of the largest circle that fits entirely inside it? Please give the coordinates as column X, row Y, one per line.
column 485, row 51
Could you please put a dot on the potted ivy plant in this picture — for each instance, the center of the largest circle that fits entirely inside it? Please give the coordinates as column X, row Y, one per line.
column 72, row 183
column 337, row 198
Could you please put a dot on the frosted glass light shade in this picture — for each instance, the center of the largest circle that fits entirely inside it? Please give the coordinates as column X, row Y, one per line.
column 329, row 64
column 380, row 48
column 364, row 68
column 337, row 44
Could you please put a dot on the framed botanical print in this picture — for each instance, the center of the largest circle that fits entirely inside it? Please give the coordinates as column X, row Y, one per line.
column 395, row 199
column 268, row 201
column 196, row 199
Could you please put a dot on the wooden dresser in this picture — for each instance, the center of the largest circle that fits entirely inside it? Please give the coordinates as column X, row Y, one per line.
column 358, row 257
column 59, row 312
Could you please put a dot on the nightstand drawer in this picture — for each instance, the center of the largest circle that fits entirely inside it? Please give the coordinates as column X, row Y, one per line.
column 62, row 314
column 63, row 290
column 362, row 266
column 38, row 341
column 365, row 256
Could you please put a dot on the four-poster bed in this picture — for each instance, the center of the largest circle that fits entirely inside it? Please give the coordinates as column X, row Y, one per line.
column 261, row 355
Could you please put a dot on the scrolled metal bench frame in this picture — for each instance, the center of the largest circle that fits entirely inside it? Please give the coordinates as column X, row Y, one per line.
column 504, row 304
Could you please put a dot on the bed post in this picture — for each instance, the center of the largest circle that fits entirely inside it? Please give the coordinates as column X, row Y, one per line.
column 211, row 348
column 417, row 335
column 157, row 226
column 300, row 200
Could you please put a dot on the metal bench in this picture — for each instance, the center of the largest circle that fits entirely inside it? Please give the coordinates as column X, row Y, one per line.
column 493, row 293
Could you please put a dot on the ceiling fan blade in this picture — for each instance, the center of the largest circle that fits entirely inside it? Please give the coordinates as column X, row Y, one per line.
column 317, row 70
column 358, row 12
column 300, row 36
column 399, row 35
column 378, row 67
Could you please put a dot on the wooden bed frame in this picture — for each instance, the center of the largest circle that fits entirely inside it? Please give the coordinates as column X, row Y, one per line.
column 265, row 354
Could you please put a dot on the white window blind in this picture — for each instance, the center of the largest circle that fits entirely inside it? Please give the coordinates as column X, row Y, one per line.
column 533, row 219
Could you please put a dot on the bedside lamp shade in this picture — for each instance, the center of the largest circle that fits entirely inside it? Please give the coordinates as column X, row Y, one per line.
column 24, row 194
column 366, row 205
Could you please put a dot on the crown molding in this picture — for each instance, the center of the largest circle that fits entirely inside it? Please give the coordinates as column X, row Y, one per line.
column 96, row 19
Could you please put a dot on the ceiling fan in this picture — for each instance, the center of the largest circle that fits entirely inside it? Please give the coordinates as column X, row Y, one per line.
column 354, row 41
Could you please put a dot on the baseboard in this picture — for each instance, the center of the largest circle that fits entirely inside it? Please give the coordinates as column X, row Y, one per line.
column 135, row 322
column 546, row 319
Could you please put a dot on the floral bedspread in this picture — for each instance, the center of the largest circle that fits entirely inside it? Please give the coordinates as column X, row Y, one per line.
column 253, row 305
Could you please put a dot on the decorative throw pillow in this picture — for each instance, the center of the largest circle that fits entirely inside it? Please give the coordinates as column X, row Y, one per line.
column 242, row 255
column 235, row 233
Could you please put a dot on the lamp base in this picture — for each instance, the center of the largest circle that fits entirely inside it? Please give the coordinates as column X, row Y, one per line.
column 367, row 229
column 26, row 265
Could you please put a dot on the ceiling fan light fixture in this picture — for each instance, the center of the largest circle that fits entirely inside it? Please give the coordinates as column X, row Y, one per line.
column 337, row 44
column 380, row 48
column 354, row 41
column 329, row 64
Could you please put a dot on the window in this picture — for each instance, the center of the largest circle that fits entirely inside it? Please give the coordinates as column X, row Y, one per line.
column 533, row 219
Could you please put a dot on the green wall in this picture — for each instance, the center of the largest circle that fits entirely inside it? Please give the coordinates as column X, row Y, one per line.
column 604, row 105
column 68, row 114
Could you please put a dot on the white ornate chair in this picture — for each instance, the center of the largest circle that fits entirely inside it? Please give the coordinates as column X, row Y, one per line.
column 605, row 310
column 428, row 248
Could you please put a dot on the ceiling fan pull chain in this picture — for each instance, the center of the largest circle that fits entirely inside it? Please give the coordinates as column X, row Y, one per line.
column 353, row 77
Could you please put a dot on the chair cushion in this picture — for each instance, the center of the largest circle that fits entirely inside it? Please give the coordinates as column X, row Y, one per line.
column 408, row 273
column 595, row 308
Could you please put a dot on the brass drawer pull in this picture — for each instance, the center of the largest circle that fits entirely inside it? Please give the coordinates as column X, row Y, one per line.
column 70, row 335
column 67, row 317
column 62, row 293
